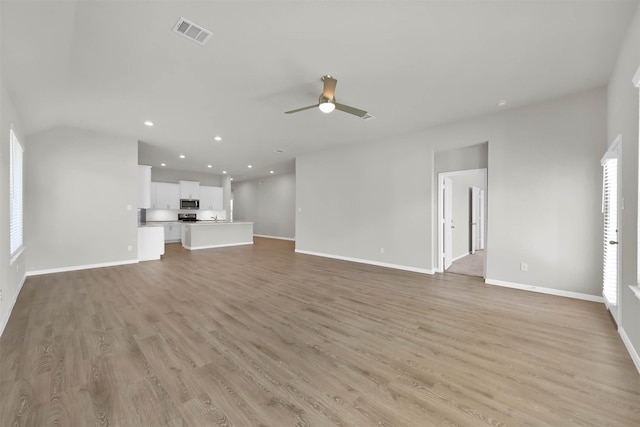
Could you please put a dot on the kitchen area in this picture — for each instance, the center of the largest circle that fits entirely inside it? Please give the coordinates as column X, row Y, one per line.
column 199, row 216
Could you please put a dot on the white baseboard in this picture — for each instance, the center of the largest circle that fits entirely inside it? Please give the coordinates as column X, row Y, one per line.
column 5, row 319
column 195, row 248
column 81, row 267
column 539, row 289
column 274, row 237
column 632, row 351
column 366, row 261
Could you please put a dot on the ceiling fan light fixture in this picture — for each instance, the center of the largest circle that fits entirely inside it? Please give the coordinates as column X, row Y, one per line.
column 327, row 107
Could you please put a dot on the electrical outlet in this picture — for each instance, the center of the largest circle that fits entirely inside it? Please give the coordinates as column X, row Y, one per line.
column 0, row 295
column 524, row 266
column 129, row 248
column 381, row 250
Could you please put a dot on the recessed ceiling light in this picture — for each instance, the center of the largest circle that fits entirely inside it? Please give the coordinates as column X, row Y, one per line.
column 182, row 156
column 501, row 103
column 163, row 164
column 209, row 166
column 271, row 172
column 218, row 138
column 224, row 172
column 230, row 179
column 148, row 123
column 249, row 166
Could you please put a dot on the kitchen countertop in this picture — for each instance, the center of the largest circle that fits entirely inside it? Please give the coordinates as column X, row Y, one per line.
column 175, row 221
column 216, row 223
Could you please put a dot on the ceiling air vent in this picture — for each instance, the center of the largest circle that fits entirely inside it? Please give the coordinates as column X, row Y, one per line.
column 192, row 31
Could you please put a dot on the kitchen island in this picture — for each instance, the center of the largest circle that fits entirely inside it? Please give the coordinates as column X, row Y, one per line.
column 216, row 234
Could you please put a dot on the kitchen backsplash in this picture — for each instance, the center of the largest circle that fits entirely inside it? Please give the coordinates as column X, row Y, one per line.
column 172, row 214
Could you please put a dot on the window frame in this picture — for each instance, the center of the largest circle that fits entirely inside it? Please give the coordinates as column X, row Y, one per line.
column 636, row 289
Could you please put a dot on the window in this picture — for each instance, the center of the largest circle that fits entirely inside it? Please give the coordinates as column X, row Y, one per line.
column 15, row 195
column 610, row 193
column 636, row 83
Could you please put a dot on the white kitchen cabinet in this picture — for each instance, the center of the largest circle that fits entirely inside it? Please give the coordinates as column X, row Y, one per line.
column 211, row 198
column 144, row 187
column 189, row 189
column 172, row 232
column 153, row 198
column 167, row 195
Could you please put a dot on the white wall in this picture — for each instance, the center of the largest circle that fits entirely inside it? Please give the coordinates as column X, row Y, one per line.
column 458, row 159
column 622, row 103
column 544, row 193
column 361, row 200
column 11, row 275
column 79, row 184
column 267, row 202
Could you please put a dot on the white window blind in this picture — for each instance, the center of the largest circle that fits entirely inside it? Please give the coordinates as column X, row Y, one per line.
column 15, row 194
column 636, row 82
column 610, row 211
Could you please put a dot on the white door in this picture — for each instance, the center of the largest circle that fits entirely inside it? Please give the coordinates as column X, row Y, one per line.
column 481, row 225
column 447, row 222
column 477, row 219
column 610, row 211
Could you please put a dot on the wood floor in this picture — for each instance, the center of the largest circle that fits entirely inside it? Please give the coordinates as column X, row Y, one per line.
column 261, row 336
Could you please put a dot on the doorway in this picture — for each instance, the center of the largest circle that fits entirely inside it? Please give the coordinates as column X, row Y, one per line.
column 462, row 222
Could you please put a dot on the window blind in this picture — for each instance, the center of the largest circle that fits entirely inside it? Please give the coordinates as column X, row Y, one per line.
column 15, row 194
column 610, row 211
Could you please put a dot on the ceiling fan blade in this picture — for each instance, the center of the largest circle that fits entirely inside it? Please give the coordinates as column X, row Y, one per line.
column 350, row 110
column 329, row 87
column 302, row 109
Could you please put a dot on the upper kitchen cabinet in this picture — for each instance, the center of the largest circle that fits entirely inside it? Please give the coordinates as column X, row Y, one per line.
column 189, row 189
column 144, row 187
column 165, row 195
column 211, row 198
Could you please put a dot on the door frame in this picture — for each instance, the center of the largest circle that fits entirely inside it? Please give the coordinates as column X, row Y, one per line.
column 446, row 226
column 440, row 217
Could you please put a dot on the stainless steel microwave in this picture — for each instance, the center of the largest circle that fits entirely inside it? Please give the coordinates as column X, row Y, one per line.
column 189, row 204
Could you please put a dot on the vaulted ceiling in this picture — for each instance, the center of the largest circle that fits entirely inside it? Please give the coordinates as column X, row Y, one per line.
column 111, row 65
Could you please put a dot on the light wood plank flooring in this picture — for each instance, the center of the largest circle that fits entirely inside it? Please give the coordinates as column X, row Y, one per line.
column 261, row 336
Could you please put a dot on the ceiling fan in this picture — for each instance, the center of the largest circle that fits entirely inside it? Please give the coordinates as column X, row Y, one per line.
column 327, row 102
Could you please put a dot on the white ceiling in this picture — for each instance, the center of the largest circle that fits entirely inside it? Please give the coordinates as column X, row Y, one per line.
column 111, row 65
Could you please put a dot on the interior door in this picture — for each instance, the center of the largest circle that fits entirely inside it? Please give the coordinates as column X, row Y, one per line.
column 447, row 222
column 477, row 219
column 482, row 225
